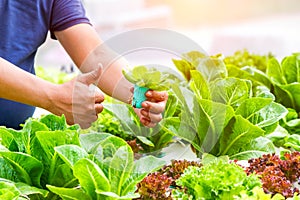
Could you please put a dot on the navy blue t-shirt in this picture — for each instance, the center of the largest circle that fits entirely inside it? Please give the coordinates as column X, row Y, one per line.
column 24, row 26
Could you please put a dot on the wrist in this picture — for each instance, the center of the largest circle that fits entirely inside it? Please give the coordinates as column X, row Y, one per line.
column 51, row 94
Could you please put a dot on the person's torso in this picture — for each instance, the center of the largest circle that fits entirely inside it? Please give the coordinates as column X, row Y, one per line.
column 23, row 28
column 24, row 25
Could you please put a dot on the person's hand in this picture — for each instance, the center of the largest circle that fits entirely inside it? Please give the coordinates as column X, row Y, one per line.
column 151, row 112
column 79, row 100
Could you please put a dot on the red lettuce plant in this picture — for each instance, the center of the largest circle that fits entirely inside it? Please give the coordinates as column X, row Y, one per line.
column 158, row 185
column 277, row 175
column 155, row 186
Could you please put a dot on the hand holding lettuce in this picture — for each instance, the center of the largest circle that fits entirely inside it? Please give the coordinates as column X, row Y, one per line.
column 145, row 79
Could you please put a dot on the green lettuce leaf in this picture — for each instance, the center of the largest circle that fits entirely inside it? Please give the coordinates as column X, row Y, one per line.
column 256, row 148
column 244, row 58
column 7, row 171
column 119, row 171
column 262, row 112
column 291, row 68
column 91, row 177
column 91, row 141
column 230, row 91
column 256, row 76
column 27, row 168
column 150, row 77
column 7, row 138
column 69, row 193
column 202, row 121
column 8, row 191
column 115, row 158
column 184, row 67
column 237, row 134
column 27, row 190
column 151, row 139
column 212, row 68
column 54, row 123
column 43, row 149
column 199, row 85
column 285, row 78
column 70, row 154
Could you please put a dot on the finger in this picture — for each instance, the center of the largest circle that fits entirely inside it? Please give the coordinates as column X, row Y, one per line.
column 145, row 113
column 151, row 116
column 155, row 96
column 153, row 107
column 87, row 123
column 70, row 121
column 90, row 77
column 131, row 89
column 98, row 108
column 148, row 123
column 99, row 97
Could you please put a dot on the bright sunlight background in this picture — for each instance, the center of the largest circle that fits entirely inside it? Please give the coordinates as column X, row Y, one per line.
column 218, row 26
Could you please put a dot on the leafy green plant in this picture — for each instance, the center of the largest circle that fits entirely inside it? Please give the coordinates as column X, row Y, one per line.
column 245, row 58
column 280, row 79
column 291, row 121
column 285, row 77
column 229, row 127
column 21, row 191
column 29, row 156
column 108, row 173
column 217, row 179
column 224, row 115
column 209, row 66
column 47, row 154
column 188, row 63
column 150, row 77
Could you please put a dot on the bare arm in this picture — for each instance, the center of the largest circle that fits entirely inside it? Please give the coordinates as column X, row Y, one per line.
column 21, row 86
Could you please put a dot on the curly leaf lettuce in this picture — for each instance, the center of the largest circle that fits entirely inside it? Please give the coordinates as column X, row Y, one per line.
column 217, row 180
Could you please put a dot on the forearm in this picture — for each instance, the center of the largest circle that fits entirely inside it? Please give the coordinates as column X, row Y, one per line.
column 18, row 85
column 111, row 81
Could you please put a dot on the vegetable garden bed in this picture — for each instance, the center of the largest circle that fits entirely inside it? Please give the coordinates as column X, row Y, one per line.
column 238, row 116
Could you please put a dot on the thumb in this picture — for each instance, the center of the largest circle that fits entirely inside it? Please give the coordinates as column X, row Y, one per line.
column 91, row 77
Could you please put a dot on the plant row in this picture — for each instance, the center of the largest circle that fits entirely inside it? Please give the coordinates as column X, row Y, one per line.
column 242, row 107
column 49, row 160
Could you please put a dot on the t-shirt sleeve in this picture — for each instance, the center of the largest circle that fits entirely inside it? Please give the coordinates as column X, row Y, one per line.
column 66, row 13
